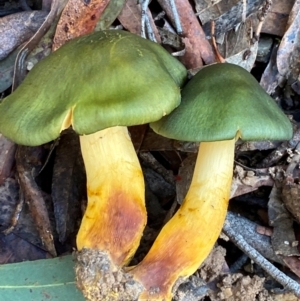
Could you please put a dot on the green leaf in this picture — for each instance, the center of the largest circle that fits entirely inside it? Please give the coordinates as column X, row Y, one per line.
column 47, row 279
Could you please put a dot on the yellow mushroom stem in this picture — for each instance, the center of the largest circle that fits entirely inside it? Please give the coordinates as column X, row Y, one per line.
column 115, row 216
column 186, row 240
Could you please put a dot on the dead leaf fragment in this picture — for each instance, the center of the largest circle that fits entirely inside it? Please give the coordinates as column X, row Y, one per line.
column 17, row 28
column 293, row 263
column 68, row 185
column 283, row 235
column 28, row 166
column 9, row 195
column 291, row 196
column 7, row 157
column 246, row 181
column 14, row 249
column 78, row 18
column 184, row 177
column 130, row 18
column 277, row 18
column 227, row 14
column 197, row 47
column 289, row 50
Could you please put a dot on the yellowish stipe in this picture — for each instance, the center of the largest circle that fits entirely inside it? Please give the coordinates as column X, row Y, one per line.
column 186, row 240
column 115, row 216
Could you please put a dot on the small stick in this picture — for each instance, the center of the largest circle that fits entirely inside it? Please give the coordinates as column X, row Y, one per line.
column 150, row 32
column 280, row 277
column 144, row 5
column 219, row 57
column 176, row 17
column 145, row 21
column 244, row 13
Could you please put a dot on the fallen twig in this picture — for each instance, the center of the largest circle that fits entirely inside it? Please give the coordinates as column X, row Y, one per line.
column 279, row 276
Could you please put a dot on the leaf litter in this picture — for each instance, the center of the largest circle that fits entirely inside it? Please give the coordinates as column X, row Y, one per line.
column 234, row 39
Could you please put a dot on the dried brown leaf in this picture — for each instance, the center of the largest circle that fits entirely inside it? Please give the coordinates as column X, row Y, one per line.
column 137, row 134
column 23, row 242
column 283, row 236
column 197, row 48
column 68, row 185
column 277, row 18
column 155, row 142
column 226, row 14
column 288, row 55
column 78, row 18
column 28, row 162
column 130, row 18
column 291, row 196
column 293, row 263
column 247, row 181
column 290, row 186
column 184, row 177
column 9, row 196
column 14, row 249
column 7, row 157
column 269, row 79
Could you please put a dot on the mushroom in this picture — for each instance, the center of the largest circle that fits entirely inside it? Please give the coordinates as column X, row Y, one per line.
column 99, row 84
column 220, row 104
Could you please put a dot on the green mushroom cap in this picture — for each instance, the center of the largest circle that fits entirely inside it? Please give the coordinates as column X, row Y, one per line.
column 223, row 101
column 97, row 81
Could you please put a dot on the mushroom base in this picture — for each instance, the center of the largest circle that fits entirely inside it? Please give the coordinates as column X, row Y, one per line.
column 99, row 279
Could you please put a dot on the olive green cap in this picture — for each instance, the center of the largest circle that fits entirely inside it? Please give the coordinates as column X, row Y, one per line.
column 97, row 81
column 223, row 101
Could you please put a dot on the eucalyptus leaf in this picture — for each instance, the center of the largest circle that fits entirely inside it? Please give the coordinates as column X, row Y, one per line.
column 47, row 279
